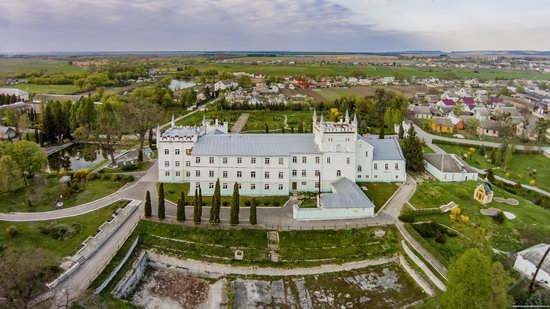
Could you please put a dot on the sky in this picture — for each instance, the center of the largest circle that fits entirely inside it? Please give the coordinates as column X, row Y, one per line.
column 278, row 25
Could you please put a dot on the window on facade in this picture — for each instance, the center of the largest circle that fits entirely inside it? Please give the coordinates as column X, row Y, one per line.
column 253, row 160
column 198, row 173
column 366, row 153
column 239, row 174
column 317, row 173
column 188, row 152
column 211, row 185
column 224, row 186
column 253, row 174
column 167, row 173
column 224, row 160
column 211, row 174
column 166, row 163
column 386, row 166
column 348, row 160
column 338, row 173
column 198, row 160
column 294, row 173
column 177, row 151
column 177, row 163
column 375, row 166
column 266, row 175
column 266, row 161
column 281, row 161
column 177, row 173
column 317, row 160
column 328, row 160
column 211, row 160
column 239, row 186
column 359, row 168
column 316, row 184
column 303, row 173
column 294, row 159
column 304, row 183
column 188, row 174
column 280, row 186
column 239, row 160
column 281, row 175
column 304, row 159
column 187, row 163
column 375, row 176
column 224, row 174
column 166, row 151
column 396, row 166
column 266, row 186
column 358, row 176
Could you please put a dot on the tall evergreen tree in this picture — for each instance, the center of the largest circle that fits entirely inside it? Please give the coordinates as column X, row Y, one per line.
column 401, row 131
column 148, row 204
column 197, row 210
column 151, row 138
column 36, row 136
column 48, row 125
column 266, row 128
column 252, row 216
column 301, row 127
column 161, row 208
column 412, row 150
column 234, row 216
column 180, row 211
column 381, row 134
column 216, row 204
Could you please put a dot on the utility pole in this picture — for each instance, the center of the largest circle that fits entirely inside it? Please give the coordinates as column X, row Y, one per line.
column 532, row 284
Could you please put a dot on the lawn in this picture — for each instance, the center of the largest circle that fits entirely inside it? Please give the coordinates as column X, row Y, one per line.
column 43, row 195
column 335, row 246
column 172, row 192
column 522, row 167
column 139, row 167
column 76, row 230
column 47, row 89
column 529, row 228
column 379, row 192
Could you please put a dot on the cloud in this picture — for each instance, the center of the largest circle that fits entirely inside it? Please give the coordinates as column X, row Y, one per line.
column 323, row 25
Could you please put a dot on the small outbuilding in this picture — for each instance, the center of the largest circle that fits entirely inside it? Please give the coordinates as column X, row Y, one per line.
column 528, row 260
column 7, row 132
column 484, row 193
column 448, row 167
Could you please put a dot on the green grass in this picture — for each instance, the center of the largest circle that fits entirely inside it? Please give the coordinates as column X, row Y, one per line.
column 29, row 237
column 379, row 192
column 172, row 192
column 529, row 228
column 14, row 66
column 47, row 89
column 372, row 71
column 43, row 196
column 519, row 169
column 140, row 167
column 334, row 246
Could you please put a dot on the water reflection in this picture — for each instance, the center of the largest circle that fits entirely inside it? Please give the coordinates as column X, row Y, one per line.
column 75, row 157
column 180, row 84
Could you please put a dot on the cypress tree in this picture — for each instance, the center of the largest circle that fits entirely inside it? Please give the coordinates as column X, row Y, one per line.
column 27, row 137
column 180, row 214
column 36, row 137
column 301, row 127
column 161, row 209
column 252, row 216
column 197, row 211
column 216, row 204
column 151, row 138
column 412, row 150
column 266, row 128
column 292, row 129
column 401, row 131
column 381, row 135
column 234, row 216
column 148, row 204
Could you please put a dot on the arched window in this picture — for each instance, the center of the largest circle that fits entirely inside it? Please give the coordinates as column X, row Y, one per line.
column 338, row 173
column 359, row 168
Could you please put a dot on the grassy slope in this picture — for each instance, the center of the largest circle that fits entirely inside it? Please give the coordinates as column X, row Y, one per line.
column 518, row 169
column 379, row 192
column 29, row 238
column 43, row 197
column 529, row 228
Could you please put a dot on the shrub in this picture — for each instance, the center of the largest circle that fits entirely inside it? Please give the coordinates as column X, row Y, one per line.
column 440, row 237
column 277, row 203
column 129, row 167
column 11, row 230
column 114, row 177
column 267, row 203
column 225, row 203
column 64, row 190
column 81, row 175
column 128, row 178
column 247, row 203
column 104, row 177
column 500, row 217
column 90, row 177
column 426, row 229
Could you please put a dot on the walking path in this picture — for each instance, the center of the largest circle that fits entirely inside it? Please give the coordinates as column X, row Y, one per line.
column 220, row 270
column 423, row 266
column 240, row 123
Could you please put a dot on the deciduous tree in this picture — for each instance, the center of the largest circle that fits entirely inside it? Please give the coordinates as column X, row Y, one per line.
column 9, row 173
column 140, row 117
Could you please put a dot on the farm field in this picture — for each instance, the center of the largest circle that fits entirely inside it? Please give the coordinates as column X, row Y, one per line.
column 371, row 71
column 522, row 167
column 328, row 95
column 11, row 67
column 46, row 89
column 529, row 228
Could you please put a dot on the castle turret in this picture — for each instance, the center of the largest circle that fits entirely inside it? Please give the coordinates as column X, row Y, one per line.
column 354, row 122
column 173, row 122
column 314, row 116
column 347, row 116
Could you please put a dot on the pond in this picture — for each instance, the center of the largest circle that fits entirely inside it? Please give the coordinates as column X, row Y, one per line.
column 180, row 84
column 75, row 157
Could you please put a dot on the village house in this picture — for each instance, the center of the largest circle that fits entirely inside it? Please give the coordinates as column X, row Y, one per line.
column 488, row 128
column 442, row 125
column 448, row 167
column 421, row 112
column 225, row 84
column 482, row 113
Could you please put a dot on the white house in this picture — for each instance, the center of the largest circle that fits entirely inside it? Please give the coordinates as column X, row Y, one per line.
column 528, row 260
column 448, row 167
column 276, row 164
column 225, row 84
column 6, row 132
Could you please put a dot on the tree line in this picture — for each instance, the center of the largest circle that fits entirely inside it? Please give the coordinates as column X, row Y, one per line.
column 6, row 99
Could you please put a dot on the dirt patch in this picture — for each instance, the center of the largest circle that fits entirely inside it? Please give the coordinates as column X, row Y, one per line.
column 170, row 289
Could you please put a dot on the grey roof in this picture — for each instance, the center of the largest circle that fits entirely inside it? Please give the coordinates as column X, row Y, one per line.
column 180, row 132
column 5, row 130
column 534, row 255
column 255, row 144
column 448, row 163
column 385, row 149
column 421, row 109
column 489, row 124
column 346, row 194
column 483, row 111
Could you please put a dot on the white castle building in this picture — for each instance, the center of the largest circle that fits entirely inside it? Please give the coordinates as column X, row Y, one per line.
column 276, row 164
